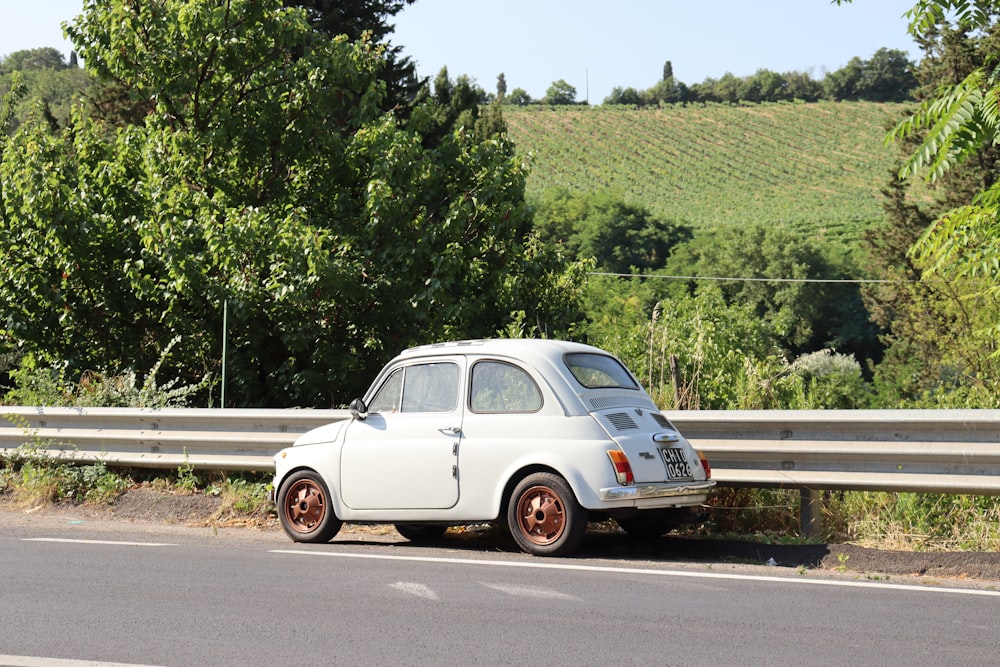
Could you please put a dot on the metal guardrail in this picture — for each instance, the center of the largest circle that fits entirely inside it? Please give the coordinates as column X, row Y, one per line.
column 946, row 451
column 229, row 439
column 924, row 451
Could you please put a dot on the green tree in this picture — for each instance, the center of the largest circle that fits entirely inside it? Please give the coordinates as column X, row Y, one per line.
column 801, row 86
column 600, row 225
column 887, row 77
column 267, row 185
column 28, row 59
column 779, row 275
column 727, row 88
column 845, row 83
column 519, row 97
column 455, row 105
column 956, row 124
column 621, row 95
column 51, row 85
column 560, row 92
column 697, row 351
column 933, row 350
column 369, row 19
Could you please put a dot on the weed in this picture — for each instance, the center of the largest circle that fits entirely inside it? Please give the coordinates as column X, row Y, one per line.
column 187, row 479
column 842, row 559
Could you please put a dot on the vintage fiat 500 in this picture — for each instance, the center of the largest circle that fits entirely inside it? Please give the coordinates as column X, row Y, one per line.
column 543, row 434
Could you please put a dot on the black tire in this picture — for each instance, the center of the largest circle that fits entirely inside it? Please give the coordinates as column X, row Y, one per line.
column 420, row 532
column 304, row 508
column 647, row 525
column 544, row 517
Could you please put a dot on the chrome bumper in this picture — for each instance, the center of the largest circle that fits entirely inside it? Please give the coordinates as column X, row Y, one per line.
column 661, row 490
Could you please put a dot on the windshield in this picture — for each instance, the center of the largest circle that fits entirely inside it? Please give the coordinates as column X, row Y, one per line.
column 599, row 371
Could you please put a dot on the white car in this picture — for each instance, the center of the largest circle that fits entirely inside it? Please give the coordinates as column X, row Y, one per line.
column 543, row 434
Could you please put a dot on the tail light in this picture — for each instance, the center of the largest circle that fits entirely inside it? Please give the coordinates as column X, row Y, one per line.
column 705, row 465
column 623, row 469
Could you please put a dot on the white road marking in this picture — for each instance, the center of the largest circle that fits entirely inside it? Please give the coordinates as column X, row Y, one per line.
column 111, row 542
column 530, row 592
column 30, row 661
column 800, row 581
column 418, row 590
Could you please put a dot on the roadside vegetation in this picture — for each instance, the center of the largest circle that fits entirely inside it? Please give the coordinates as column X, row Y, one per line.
column 266, row 221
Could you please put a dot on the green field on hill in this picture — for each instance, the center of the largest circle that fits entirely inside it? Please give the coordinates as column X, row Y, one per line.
column 817, row 168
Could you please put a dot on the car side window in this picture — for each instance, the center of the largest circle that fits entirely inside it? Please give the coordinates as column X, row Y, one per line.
column 502, row 387
column 429, row 387
column 389, row 395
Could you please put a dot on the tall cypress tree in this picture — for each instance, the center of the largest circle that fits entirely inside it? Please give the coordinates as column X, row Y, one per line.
column 356, row 17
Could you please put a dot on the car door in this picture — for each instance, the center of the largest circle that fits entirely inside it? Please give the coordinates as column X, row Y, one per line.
column 404, row 455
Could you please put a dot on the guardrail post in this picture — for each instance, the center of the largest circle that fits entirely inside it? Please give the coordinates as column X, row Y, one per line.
column 810, row 520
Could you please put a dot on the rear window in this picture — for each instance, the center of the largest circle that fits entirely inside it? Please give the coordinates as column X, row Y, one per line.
column 599, row 371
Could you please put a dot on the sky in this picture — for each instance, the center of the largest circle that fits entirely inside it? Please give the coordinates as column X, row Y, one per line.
column 592, row 45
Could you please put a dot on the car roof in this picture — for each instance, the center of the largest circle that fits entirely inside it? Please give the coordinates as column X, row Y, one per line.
column 516, row 347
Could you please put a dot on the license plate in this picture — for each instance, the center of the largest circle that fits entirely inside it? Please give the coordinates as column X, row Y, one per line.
column 677, row 464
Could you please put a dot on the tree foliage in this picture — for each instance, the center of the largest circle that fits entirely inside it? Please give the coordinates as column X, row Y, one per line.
column 962, row 117
column 956, row 124
column 886, row 77
column 699, row 351
column 30, row 59
column 264, row 181
column 51, row 85
column 455, row 105
column 361, row 18
column 600, row 225
column 938, row 346
column 779, row 275
column 560, row 92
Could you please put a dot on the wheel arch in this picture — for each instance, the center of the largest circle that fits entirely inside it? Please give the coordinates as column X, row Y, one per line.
column 334, row 497
column 515, row 479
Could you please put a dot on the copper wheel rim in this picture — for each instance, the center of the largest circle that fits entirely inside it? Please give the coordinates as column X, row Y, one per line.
column 305, row 506
column 540, row 515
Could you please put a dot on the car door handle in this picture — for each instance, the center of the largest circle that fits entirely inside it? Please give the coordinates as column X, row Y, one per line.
column 451, row 430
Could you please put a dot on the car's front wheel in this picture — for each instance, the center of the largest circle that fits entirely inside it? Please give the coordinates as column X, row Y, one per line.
column 544, row 517
column 304, row 508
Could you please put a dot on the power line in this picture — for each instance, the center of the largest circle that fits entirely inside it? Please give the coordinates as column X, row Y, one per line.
column 751, row 280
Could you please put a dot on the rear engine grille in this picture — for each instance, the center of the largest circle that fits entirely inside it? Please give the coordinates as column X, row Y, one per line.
column 622, row 421
column 662, row 421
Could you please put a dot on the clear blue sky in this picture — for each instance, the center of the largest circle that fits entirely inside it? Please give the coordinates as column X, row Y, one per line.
column 594, row 45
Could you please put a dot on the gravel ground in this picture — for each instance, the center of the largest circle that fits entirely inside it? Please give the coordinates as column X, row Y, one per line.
column 144, row 506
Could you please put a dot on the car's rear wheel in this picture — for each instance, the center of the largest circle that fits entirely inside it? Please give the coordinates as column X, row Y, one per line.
column 420, row 532
column 544, row 517
column 304, row 508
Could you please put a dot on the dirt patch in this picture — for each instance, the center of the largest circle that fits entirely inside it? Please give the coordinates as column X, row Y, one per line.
column 147, row 504
column 142, row 503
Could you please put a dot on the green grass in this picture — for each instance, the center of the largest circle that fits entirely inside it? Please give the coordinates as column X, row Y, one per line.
column 29, row 479
column 817, row 168
column 881, row 520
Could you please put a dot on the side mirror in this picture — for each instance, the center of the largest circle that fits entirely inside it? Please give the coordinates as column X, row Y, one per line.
column 359, row 409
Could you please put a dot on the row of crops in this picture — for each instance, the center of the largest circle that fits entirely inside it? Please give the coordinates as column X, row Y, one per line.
column 818, row 168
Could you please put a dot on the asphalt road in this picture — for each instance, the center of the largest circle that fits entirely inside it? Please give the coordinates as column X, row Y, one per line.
column 166, row 595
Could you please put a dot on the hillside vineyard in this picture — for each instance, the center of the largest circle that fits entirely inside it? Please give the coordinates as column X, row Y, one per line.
column 817, row 168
